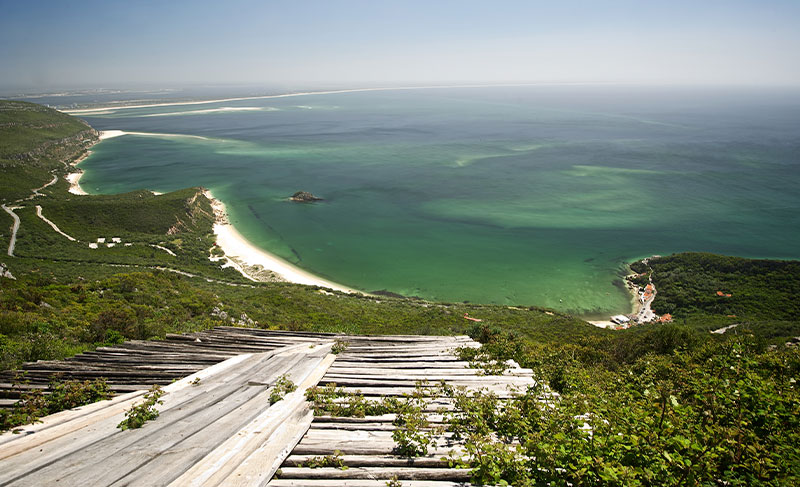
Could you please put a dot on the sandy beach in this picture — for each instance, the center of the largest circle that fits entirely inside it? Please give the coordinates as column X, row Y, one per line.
column 74, row 178
column 74, row 185
column 251, row 261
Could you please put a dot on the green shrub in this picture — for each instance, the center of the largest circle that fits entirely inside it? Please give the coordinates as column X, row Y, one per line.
column 36, row 403
column 282, row 387
column 145, row 411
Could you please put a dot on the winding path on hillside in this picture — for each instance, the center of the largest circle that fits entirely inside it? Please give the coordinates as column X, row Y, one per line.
column 52, row 225
column 36, row 192
column 14, row 229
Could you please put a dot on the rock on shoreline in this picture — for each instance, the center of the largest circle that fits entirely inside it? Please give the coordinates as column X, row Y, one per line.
column 304, row 197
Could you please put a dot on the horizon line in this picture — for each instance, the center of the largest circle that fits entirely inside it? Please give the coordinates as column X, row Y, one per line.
column 78, row 111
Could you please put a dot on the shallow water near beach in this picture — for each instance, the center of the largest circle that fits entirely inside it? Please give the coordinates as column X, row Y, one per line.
column 519, row 196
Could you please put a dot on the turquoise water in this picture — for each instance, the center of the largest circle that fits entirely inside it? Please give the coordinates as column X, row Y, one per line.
column 520, row 196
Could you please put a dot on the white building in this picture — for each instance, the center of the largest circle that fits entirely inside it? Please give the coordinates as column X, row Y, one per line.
column 620, row 319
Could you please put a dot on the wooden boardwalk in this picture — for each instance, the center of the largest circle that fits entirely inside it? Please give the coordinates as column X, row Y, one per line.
column 221, row 429
column 388, row 366
column 137, row 365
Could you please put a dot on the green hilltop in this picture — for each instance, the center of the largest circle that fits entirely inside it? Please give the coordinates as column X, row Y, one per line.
column 34, row 142
column 656, row 404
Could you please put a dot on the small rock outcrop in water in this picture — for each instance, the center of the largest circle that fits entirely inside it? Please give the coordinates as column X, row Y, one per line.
column 304, row 197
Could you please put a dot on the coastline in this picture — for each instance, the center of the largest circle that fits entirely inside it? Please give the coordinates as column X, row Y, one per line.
column 74, row 177
column 636, row 306
column 80, row 111
column 250, row 261
column 254, row 263
column 641, row 300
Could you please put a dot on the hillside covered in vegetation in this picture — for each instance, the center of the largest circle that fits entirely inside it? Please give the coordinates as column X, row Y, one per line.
column 665, row 404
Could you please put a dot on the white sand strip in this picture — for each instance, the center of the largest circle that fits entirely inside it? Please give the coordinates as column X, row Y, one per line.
column 53, row 225
column 307, row 93
column 74, row 186
column 213, row 110
column 110, row 134
column 243, row 253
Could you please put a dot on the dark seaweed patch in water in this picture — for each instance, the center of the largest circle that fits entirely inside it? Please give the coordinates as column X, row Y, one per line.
column 258, row 217
column 389, row 294
column 619, row 283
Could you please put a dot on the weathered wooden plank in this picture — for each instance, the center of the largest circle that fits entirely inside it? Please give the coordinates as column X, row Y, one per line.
column 380, row 473
column 381, row 418
column 429, row 461
column 407, row 355
column 52, row 427
column 389, row 371
column 432, row 380
column 316, row 448
column 400, row 364
column 173, row 462
column 248, row 452
column 499, row 390
column 325, row 442
column 427, row 349
column 385, row 359
column 357, row 436
column 92, row 436
column 110, row 453
column 445, row 371
column 354, row 427
column 359, row 483
column 59, row 424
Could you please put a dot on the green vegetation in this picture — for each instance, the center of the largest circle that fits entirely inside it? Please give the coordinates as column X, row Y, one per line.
column 181, row 241
column 339, row 346
column 394, row 482
column 413, row 433
column 35, row 141
column 143, row 412
column 37, row 403
column 710, row 291
column 282, row 386
column 42, row 319
column 333, row 401
column 51, row 315
column 712, row 412
column 334, row 460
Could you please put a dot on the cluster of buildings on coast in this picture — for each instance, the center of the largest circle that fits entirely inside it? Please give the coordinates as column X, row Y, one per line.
column 644, row 313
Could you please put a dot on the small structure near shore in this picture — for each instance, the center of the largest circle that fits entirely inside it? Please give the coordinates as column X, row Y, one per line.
column 620, row 320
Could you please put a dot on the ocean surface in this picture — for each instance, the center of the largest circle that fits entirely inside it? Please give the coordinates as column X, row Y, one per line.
column 511, row 195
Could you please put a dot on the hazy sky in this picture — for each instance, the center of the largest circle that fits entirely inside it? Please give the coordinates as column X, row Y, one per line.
column 73, row 44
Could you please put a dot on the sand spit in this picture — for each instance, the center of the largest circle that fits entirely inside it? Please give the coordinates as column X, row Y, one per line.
column 110, row 109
